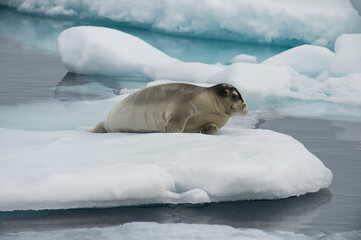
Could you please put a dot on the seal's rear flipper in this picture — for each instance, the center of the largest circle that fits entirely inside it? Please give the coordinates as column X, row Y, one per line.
column 99, row 128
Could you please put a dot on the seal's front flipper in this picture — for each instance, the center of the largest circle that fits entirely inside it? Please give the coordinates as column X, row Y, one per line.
column 209, row 129
column 99, row 128
column 177, row 121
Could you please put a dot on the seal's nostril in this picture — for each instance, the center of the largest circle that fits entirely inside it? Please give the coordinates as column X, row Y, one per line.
column 244, row 105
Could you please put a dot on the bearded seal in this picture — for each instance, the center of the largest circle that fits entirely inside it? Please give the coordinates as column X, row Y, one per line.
column 175, row 107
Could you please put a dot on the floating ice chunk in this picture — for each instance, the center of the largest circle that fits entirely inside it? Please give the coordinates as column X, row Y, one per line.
column 347, row 57
column 279, row 21
column 242, row 58
column 105, row 51
column 66, row 169
column 305, row 59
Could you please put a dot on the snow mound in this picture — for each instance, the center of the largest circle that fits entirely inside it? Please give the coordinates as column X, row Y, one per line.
column 71, row 169
column 242, row 58
column 347, row 56
column 306, row 59
column 256, row 79
column 345, row 89
column 105, row 51
column 280, row 21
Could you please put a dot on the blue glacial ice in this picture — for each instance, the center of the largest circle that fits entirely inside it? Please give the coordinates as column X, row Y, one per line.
column 41, row 33
column 278, row 21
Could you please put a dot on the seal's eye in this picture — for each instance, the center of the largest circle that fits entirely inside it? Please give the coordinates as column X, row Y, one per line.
column 234, row 96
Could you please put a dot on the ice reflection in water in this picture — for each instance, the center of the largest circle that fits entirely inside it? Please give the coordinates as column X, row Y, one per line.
column 287, row 214
column 75, row 87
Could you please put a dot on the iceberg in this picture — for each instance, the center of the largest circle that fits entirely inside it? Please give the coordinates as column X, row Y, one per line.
column 279, row 21
column 76, row 169
column 300, row 73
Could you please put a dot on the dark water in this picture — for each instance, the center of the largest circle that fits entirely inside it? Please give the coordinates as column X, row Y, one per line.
column 338, row 145
column 29, row 74
column 26, row 74
column 282, row 214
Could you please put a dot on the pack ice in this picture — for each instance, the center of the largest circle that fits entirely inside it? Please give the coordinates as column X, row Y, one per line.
column 305, row 72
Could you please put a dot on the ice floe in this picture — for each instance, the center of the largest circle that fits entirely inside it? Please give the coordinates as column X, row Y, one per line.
column 279, row 21
column 69, row 169
column 96, row 50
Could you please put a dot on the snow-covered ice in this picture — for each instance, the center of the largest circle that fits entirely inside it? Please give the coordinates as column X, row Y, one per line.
column 49, row 161
column 279, row 21
column 68, row 169
column 299, row 73
column 256, row 79
column 242, row 58
column 145, row 230
column 306, row 59
column 96, row 50
column 347, row 55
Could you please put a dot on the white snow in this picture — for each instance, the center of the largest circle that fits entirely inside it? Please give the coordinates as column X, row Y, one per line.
column 256, row 79
column 345, row 89
column 306, row 59
column 68, row 169
column 347, row 56
column 150, row 230
column 280, row 21
column 242, row 58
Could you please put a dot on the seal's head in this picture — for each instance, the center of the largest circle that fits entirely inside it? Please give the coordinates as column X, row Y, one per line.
column 231, row 99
